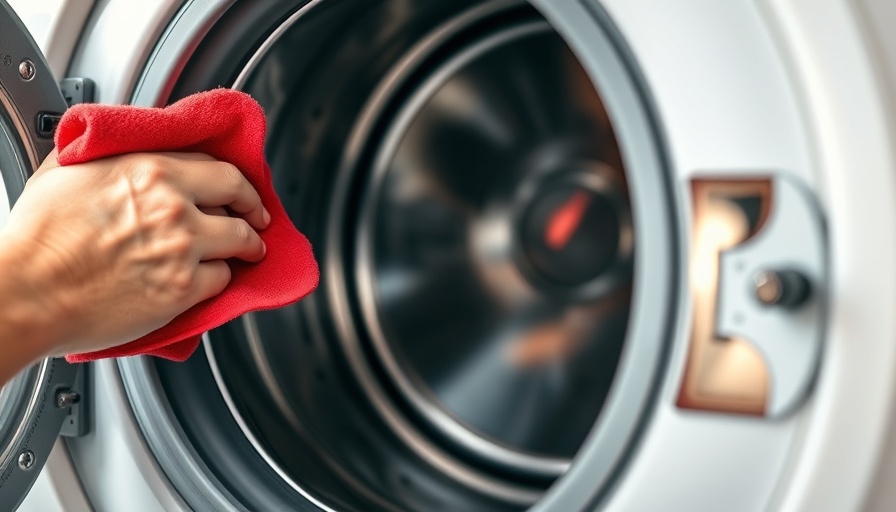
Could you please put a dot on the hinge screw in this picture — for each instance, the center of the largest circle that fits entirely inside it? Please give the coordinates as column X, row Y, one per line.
column 26, row 460
column 66, row 398
column 27, row 70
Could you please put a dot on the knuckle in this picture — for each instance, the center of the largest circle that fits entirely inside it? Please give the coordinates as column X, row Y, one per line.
column 182, row 281
column 242, row 231
column 147, row 171
column 175, row 211
column 163, row 218
column 180, row 247
column 231, row 178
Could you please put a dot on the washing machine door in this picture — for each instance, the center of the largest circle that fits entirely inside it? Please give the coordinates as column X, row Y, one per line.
column 34, row 405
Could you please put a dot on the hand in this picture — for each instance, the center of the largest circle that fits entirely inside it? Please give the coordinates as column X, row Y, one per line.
column 108, row 251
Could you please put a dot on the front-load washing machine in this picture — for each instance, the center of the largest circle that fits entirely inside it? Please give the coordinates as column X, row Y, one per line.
column 628, row 255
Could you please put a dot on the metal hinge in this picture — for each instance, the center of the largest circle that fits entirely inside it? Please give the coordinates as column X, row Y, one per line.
column 77, row 90
column 77, row 422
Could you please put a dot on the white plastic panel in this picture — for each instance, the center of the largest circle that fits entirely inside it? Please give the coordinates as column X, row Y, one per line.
column 117, row 469
column 727, row 107
column 58, row 488
column 121, row 35
column 811, row 83
column 849, row 106
column 719, row 82
column 879, row 17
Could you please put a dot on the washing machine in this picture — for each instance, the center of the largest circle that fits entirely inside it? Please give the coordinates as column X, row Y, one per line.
column 625, row 255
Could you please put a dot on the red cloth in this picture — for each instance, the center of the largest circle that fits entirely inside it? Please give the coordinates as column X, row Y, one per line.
column 229, row 126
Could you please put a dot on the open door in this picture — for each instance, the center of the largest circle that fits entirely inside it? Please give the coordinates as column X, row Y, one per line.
column 34, row 405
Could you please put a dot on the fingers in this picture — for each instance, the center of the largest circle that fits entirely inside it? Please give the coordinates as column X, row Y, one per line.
column 211, row 278
column 220, row 211
column 221, row 237
column 214, row 184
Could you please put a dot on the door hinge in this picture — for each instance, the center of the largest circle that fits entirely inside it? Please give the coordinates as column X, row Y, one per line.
column 77, row 90
column 77, row 422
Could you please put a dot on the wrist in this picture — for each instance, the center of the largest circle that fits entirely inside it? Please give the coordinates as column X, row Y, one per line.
column 27, row 331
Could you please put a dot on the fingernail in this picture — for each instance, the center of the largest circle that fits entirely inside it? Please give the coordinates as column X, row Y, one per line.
column 264, row 249
column 265, row 216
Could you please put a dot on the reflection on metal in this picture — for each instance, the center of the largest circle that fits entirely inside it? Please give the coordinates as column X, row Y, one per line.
column 66, row 398
column 769, row 289
column 726, row 375
column 553, row 344
column 27, row 70
column 26, row 460
column 496, row 301
column 20, row 130
column 317, row 351
column 756, row 243
column 783, row 288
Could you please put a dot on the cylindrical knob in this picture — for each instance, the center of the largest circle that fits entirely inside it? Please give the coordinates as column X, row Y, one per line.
column 786, row 288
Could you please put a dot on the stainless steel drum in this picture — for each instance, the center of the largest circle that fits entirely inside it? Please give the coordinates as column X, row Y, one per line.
column 491, row 216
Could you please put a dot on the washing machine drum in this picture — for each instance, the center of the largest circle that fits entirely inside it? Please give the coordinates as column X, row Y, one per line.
column 502, row 250
column 467, row 193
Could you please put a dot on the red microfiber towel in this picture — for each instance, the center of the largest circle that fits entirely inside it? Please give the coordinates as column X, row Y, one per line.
column 229, row 126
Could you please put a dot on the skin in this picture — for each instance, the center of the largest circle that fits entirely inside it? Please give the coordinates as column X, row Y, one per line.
column 99, row 254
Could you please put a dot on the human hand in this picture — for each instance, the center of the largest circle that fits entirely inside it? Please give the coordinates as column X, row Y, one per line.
column 108, row 251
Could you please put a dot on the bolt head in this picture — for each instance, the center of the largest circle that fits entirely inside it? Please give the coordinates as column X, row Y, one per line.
column 27, row 70
column 66, row 398
column 27, row 460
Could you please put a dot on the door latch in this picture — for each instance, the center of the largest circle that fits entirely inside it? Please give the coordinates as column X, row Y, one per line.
column 74, row 90
column 758, row 276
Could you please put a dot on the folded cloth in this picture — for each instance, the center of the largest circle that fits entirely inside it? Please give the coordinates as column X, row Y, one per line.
column 229, row 126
